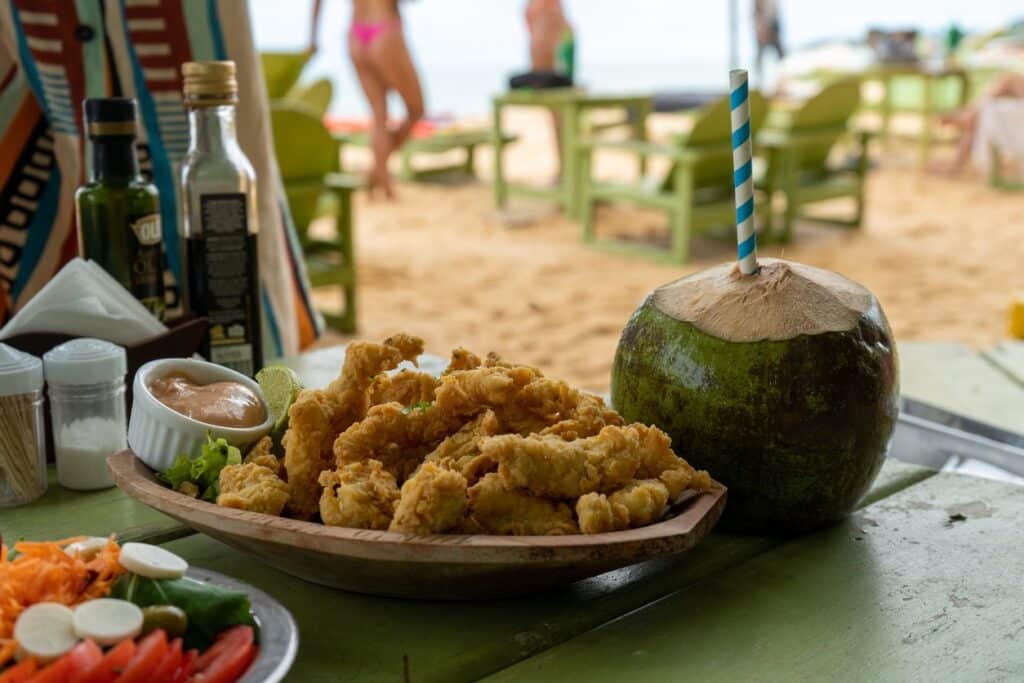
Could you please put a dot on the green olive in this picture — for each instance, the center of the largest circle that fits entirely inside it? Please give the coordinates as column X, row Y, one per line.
column 171, row 619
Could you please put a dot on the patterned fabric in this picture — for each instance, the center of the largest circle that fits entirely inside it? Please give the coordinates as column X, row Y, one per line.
column 55, row 53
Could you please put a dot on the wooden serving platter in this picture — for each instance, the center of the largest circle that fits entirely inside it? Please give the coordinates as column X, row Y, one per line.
column 447, row 567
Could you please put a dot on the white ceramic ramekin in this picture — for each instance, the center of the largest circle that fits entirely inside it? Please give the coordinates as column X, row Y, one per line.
column 158, row 435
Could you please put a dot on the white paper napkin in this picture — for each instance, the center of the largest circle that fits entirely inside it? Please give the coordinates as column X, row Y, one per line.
column 83, row 300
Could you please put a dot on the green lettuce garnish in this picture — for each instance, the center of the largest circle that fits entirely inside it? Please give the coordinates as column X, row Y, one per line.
column 210, row 609
column 202, row 472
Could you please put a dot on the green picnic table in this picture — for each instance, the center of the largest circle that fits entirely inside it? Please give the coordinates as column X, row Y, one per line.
column 916, row 88
column 570, row 106
column 440, row 142
column 924, row 582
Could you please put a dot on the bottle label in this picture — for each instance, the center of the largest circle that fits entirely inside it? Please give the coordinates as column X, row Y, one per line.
column 147, row 268
column 147, row 230
column 231, row 282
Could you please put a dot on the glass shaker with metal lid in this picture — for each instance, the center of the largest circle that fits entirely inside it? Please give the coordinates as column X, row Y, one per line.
column 22, row 430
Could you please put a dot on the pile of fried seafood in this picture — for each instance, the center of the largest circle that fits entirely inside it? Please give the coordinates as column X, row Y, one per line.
column 489, row 447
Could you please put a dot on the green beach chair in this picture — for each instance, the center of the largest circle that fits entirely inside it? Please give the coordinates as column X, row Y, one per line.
column 308, row 159
column 316, row 95
column 281, row 71
column 696, row 193
column 798, row 143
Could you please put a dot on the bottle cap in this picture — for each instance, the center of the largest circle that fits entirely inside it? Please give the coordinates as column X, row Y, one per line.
column 209, row 84
column 84, row 361
column 109, row 116
column 20, row 373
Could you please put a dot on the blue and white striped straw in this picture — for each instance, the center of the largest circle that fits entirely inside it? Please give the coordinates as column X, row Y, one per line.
column 743, row 182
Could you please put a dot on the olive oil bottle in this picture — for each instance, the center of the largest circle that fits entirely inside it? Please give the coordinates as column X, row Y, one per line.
column 219, row 221
column 118, row 210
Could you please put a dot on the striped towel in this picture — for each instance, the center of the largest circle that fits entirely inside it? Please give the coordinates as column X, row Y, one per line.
column 55, row 53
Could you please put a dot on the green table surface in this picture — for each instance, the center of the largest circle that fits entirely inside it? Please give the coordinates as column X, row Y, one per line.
column 900, row 591
column 543, row 97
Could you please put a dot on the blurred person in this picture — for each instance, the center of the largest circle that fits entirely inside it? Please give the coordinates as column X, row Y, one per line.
column 377, row 47
column 53, row 55
column 1009, row 86
column 552, row 51
column 768, row 33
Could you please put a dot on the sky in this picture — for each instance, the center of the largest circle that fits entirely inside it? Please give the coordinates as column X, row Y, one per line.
column 462, row 45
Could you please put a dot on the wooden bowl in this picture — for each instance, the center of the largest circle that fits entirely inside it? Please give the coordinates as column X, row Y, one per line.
column 446, row 567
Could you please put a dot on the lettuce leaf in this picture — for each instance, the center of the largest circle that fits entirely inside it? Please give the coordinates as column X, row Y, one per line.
column 204, row 471
column 210, row 609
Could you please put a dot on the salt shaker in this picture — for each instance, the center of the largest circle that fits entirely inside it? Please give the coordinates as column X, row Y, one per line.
column 22, row 430
column 87, row 404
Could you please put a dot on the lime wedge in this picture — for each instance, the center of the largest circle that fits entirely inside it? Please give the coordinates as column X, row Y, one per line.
column 280, row 386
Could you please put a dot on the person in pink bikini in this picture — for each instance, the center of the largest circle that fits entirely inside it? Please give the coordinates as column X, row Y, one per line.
column 382, row 61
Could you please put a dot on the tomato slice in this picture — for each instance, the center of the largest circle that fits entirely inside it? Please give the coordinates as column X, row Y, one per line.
column 187, row 666
column 164, row 672
column 20, row 672
column 83, row 657
column 148, row 655
column 228, row 658
column 106, row 670
column 56, row 672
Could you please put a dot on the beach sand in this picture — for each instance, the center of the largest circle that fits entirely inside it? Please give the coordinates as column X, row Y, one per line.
column 943, row 257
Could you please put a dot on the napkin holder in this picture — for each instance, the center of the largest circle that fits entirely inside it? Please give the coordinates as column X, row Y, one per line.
column 181, row 340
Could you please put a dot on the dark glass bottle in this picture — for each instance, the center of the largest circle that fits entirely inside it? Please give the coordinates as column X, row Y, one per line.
column 118, row 210
column 219, row 227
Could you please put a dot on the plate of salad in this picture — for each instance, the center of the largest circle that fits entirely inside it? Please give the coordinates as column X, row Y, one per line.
column 89, row 610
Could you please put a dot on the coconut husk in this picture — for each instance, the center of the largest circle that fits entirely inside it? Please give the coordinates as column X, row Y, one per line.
column 783, row 300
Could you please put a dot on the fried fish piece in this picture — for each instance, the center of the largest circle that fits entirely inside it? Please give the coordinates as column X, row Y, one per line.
column 397, row 436
column 407, row 387
column 252, row 487
column 645, row 499
column 433, row 501
column 588, row 418
column 638, row 503
column 552, row 467
column 461, row 450
column 493, row 360
column 262, row 454
column 313, row 421
column 360, row 495
column 496, row 507
column 467, row 392
column 659, row 461
column 317, row 416
column 364, row 361
column 462, row 360
column 597, row 515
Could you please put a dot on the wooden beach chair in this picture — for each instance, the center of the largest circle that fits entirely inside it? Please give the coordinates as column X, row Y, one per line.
column 308, row 158
column 316, row 95
column 798, row 143
column 696, row 193
column 439, row 142
column 281, row 71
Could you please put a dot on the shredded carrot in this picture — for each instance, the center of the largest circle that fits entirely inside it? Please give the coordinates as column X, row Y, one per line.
column 7, row 649
column 43, row 572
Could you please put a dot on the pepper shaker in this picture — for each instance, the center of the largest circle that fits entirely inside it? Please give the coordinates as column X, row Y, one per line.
column 87, row 404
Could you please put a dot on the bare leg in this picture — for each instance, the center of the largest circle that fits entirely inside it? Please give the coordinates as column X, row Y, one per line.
column 394, row 63
column 556, row 123
column 377, row 97
column 968, row 124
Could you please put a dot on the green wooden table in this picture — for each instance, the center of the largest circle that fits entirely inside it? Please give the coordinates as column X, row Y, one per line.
column 924, row 582
column 570, row 106
column 938, row 89
column 440, row 142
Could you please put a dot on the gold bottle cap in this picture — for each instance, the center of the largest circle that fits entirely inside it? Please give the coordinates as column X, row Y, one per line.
column 209, row 84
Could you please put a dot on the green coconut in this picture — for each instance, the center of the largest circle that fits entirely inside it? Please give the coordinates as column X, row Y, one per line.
column 783, row 385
